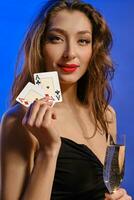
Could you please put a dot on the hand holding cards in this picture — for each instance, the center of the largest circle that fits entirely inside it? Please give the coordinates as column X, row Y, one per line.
column 46, row 85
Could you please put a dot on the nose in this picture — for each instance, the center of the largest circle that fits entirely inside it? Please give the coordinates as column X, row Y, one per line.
column 70, row 51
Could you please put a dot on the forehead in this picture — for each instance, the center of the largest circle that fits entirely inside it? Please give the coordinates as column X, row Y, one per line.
column 74, row 20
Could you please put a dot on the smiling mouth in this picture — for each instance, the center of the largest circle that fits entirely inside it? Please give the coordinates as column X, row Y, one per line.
column 69, row 67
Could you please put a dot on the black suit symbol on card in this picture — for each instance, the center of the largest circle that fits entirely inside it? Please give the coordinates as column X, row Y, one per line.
column 49, row 83
column 57, row 92
column 37, row 80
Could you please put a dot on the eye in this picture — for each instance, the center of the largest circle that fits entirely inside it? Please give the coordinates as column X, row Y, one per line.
column 84, row 42
column 54, row 39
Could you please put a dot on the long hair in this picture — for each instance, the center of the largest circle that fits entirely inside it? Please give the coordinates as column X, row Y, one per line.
column 94, row 87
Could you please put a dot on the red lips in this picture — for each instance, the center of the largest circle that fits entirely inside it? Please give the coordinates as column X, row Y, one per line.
column 69, row 67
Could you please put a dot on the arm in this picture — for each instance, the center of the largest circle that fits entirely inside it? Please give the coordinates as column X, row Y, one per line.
column 39, row 120
column 13, row 159
column 41, row 180
column 16, row 182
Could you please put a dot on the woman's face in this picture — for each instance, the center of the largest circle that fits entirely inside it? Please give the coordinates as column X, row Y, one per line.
column 68, row 45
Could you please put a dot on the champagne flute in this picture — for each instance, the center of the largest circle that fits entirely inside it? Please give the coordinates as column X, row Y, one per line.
column 114, row 165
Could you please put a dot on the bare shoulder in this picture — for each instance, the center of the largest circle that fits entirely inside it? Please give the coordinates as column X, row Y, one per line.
column 13, row 114
column 110, row 114
column 13, row 133
column 12, row 121
column 16, row 110
column 17, row 153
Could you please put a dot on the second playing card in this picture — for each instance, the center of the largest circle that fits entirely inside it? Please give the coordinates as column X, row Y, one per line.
column 49, row 82
column 29, row 94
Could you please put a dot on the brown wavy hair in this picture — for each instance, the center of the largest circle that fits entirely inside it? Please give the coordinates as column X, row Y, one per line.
column 94, row 87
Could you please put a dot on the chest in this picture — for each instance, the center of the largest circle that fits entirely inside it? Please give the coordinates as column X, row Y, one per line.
column 80, row 128
column 78, row 172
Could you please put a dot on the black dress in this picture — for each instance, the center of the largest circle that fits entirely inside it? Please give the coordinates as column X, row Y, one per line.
column 79, row 174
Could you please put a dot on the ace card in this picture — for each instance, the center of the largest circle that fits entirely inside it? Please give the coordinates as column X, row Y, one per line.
column 49, row 83
column 29, row 94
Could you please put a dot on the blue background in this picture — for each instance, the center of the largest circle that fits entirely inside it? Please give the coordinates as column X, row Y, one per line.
column 15, row 16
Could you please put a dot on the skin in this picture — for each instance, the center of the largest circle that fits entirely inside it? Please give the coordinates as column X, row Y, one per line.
column 72, row 45
column 40, row 127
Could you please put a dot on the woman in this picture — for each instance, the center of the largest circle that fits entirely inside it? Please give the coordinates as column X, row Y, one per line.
column 58, row 152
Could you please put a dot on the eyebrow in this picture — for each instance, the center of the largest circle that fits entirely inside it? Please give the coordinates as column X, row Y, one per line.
column 63, row 31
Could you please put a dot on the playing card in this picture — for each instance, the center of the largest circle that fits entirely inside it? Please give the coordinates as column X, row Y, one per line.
column 49, row 83
column 29, row 94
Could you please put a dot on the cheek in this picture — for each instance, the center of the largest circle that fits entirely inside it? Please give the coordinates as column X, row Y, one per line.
column 51, row 54
column 86, row 56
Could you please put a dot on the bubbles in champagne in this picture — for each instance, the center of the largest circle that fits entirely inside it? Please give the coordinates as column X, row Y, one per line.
column 114, row 165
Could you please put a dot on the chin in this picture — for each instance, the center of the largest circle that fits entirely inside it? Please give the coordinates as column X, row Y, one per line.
column 68, row 79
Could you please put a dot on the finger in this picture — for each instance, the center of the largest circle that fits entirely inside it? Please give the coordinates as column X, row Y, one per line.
column 118, row 194
column 40, row 115
column 47, row 98
column 129, row 198
column 126, row 197
column 108, row 197
column 31, row 115
column 46, row 123
column 26, row 115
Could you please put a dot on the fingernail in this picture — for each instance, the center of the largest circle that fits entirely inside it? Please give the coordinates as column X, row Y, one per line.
column 45, row 99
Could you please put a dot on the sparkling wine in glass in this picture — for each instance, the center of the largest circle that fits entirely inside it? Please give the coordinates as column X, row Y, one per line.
column 114, row 165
